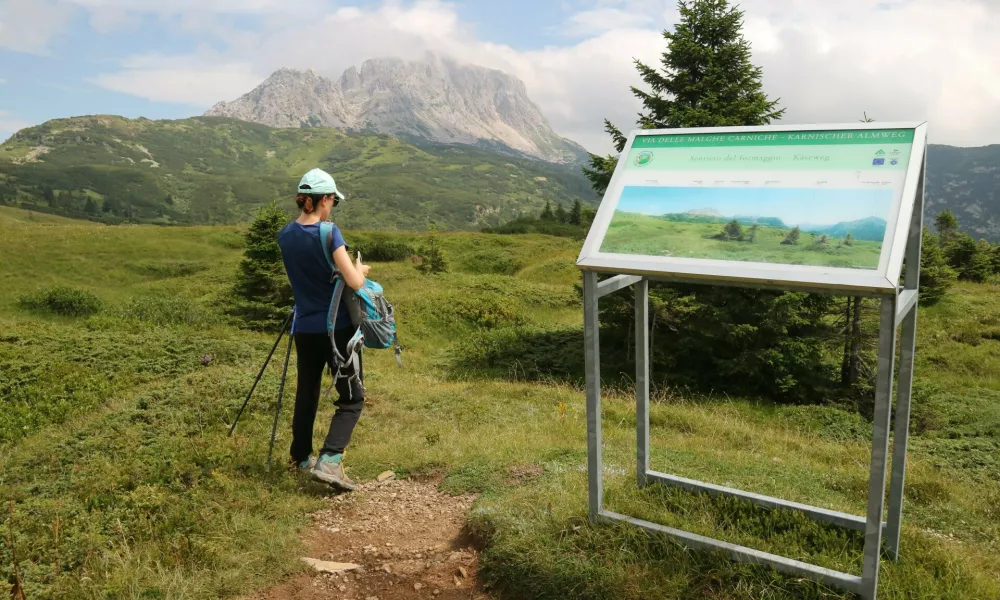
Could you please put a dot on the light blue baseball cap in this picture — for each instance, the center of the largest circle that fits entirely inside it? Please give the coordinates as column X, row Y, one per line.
column 318, row 181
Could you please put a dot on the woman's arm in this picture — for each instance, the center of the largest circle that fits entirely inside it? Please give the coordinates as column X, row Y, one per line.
column 354, row 273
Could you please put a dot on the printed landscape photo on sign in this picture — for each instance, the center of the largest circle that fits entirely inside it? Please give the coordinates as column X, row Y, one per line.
column 826, row 205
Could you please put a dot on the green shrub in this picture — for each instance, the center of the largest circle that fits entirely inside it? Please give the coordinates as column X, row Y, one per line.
column 383, row 250
column 491, row 262
column 62, row 300
column 523, row 353
column 488, row 310
column 828, row 422
column 161, row 310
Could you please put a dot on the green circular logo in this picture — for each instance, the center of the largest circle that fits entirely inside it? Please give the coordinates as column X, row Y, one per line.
column 643, row 158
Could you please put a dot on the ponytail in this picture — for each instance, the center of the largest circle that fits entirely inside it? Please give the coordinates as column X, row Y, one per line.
column 308, row 202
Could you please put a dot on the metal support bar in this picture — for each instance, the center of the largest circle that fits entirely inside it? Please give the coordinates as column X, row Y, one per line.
column 907, row 350
column 813, row 512
column 592, row 348
column 880, row 448
column 642, row 380
column 846, row 581
column 901, row 434
column 609, row 286
column 907, row 302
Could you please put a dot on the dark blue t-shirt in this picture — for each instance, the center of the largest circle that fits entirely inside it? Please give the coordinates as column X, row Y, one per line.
column 309, row 273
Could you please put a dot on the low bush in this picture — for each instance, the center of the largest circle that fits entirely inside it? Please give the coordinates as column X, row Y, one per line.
column 62, row 300
column 383, row 250
column 489, row 310
column 524, row 353
column 162, row 310
column 491, row 262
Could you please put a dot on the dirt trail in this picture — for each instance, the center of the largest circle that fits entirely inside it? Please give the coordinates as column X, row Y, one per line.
column 408, row 537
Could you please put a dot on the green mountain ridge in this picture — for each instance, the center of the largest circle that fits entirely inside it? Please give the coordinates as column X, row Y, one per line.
column 214, row 170
column 870, row 228
column 967, row 181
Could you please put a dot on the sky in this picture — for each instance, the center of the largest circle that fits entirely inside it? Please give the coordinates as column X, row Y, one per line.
column 792, row 206
column 894, row 60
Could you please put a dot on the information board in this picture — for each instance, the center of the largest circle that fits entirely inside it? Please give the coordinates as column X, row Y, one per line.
column 824, row 206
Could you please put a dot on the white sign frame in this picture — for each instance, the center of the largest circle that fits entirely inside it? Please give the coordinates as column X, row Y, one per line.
column 881, row 281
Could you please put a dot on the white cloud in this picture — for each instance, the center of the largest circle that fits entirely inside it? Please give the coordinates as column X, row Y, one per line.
column 175, row 7
column 28, row 25
column 895, row 59
column 184, row 80
column 601, row 20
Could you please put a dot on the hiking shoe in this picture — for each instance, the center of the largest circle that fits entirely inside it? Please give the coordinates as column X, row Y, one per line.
column 330, row 470
column 303, row 466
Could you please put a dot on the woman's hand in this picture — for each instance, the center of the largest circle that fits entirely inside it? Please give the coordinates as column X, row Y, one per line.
column 354, row 272
column 364, row 269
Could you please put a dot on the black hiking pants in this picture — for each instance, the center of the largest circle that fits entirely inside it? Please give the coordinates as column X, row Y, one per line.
column 314, row 354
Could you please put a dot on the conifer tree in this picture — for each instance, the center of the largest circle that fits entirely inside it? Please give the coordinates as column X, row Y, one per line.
column 561, row 215
column 731, row 232
column 432, row 256
column 708, row 80
column 792, row 238
column 547, row 214
column 262, row 295
column 946, row 225
column 936, row 276
column 576, row 214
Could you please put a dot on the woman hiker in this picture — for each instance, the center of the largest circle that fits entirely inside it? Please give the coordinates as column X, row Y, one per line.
column 309, row 274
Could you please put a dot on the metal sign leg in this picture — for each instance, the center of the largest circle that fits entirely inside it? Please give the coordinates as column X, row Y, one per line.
column 880, row 448
column 591, row 329
column 901, row 433
column 642, row 380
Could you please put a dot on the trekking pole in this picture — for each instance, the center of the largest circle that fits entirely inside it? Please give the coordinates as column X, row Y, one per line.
column 281, row 392
column 261, row 373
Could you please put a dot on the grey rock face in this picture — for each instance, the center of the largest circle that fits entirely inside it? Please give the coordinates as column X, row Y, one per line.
column 435, row 99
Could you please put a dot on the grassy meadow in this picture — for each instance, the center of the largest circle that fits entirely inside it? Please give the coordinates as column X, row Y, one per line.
column 113, row 444
column 631, row 233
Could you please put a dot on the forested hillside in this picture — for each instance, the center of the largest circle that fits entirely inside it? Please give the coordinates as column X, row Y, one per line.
column 216, row 170
column 966, row 181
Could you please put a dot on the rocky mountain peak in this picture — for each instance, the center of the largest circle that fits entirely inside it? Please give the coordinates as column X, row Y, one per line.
column 435, row 99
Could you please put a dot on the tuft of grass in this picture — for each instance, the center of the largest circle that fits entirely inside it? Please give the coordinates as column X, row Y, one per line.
column 61, row 300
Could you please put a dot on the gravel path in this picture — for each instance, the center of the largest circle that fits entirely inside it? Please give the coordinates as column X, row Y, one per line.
column 406, row 537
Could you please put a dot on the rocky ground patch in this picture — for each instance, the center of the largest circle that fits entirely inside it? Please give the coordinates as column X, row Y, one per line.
column 387, row 541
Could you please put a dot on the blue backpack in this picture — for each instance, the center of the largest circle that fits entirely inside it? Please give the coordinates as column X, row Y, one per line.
column 371, row 314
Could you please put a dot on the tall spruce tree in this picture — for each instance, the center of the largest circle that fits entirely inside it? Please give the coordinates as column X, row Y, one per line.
column 708, row 80
column 262, row 295
column 576, row 214
column 740, row 340
column 560, row 215
column 936, row 275
column 547, row 214
column 947, row 225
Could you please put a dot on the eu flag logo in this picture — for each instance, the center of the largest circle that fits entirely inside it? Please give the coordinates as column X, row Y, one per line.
column 878, row 161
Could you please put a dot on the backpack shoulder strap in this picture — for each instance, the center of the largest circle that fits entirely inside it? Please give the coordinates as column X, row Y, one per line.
column 326, row 239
